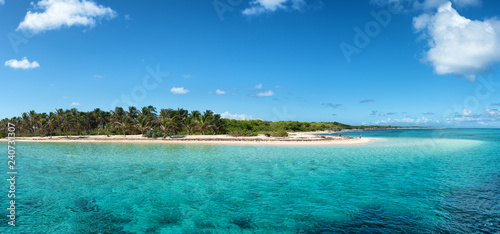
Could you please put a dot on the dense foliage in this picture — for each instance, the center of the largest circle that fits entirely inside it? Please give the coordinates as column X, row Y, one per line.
column 149, row 122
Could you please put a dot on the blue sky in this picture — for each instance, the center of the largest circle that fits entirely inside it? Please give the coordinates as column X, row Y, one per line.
column 432, row 62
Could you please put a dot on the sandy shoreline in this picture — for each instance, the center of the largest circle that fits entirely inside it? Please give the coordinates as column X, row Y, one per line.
column 294, row 139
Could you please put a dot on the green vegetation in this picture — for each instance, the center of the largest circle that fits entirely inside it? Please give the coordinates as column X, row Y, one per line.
column 150, row 123
column 280, row 133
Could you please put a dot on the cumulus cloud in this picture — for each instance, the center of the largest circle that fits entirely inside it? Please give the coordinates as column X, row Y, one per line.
column 228, row 115
column 267, row 93
column 489, row 117
column 258, row 7
column 75, row 103
column 179, row 90
column 467, row 112
column 258, row 86
column 220, row 92
column 23, row 64
column 54, row 14
column 458, row 45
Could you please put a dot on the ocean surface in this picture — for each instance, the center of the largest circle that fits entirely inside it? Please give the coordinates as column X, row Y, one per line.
column 412, row 181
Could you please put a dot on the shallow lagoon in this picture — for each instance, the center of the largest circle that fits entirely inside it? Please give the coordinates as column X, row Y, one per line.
column 417, row 181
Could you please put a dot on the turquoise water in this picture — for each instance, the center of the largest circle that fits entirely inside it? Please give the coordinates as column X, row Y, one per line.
column 414, row 181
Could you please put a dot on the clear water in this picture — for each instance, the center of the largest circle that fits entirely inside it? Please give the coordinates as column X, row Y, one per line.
column 415, row 181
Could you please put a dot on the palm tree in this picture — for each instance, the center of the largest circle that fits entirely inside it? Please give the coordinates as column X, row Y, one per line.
column 132, row 112
column 102, row 119
column 183, row 114
column 67, row 122
column 196, row 114
column 80, row 120
column 71, row 121
column 169, row 121
column 190, row 124
column 205, row 122
column 218, row 123
column 120, row 119
column 33, row 121
column 25, row 125
column 96, row 114
column 3, row 127
column 51, row 121
column 143, row 123
column 59, row 118
column 42, row 122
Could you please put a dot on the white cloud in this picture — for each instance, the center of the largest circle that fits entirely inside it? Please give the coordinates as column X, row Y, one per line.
column 258, row 86
column 267, row 93
column 459, row 45
column 258, row 7
column 227, row 115
column 55, row 14
column 489, row 117
column 75, row 103
column 425, row 4
column 23, row 64
column 467, row 112
column 433, row 4
column 412, row 121
column 187, row 76
column 2, row 2
column 220, row 92
column 179, row 90
column 98, row 76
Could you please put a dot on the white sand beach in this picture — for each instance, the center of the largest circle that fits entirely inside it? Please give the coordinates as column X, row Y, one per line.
column 294, row 139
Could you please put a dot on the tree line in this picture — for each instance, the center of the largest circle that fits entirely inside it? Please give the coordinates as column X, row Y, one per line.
column 119, row 121
column 150, row 122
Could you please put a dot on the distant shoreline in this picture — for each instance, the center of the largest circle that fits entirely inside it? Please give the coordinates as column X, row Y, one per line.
column 294, row 139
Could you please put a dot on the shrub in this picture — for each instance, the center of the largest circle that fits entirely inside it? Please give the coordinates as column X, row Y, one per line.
column 154, row 133
column 280, row 133
column 237, row 133
column 3, row 134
